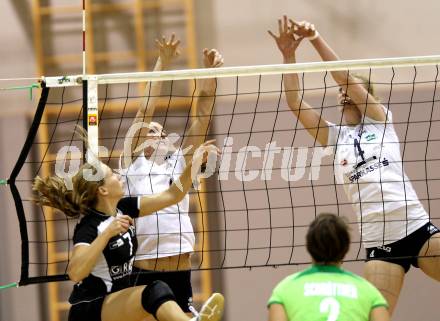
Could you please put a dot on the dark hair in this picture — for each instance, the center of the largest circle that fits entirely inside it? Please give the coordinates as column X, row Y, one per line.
column 52, row 191
column 328, row 239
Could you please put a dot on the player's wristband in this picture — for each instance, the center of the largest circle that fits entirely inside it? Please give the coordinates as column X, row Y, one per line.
column 315, row 36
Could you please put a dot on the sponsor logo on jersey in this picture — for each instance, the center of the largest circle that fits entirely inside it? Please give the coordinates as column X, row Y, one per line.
column 370, row 137
column 366, row 168
column 116, row 244
column 371, row 254
column 119, row 271
column 385, row 248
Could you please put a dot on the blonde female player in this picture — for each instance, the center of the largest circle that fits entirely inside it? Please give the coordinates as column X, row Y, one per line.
column 105, row 245
column 394, row 226
column 166, row 240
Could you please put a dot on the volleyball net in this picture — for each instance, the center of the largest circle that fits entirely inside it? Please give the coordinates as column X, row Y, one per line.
column 272, row 178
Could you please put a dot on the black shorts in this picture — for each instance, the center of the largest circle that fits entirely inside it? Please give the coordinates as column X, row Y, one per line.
column 90, row 311
column 178, row 281
column 403, row 252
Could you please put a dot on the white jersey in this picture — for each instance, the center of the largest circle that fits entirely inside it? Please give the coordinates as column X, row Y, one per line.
column 169, row 231
column 368, row 163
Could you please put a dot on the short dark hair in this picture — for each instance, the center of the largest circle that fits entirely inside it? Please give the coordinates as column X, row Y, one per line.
column 328, row 238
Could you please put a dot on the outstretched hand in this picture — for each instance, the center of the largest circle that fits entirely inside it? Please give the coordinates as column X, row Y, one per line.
column 212, row 58
column 287, row 42
column 202, row 152
column 303, row 29
column 168, row 49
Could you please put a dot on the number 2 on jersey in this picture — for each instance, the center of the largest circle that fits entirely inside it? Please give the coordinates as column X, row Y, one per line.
column 330, row 306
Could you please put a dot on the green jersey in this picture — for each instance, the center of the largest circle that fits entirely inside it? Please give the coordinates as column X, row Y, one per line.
column 326, row 293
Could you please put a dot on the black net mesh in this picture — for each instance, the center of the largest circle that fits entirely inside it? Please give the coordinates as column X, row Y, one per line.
column 268, row 185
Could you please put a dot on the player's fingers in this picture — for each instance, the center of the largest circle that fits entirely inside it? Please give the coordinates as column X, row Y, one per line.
column 285, row 26
column 219, row 63
column 214, row 52
column 130, row 220
column 118, row 228
column 294, row 23
column 299, row 39
column 124, row 223
column 217, row 59
column 216, row 149
column 125, row 218
column 272, row 35
column 209, row 142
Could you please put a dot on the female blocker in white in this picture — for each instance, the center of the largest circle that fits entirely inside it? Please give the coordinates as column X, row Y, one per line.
column 395, row 228
column 166, row 239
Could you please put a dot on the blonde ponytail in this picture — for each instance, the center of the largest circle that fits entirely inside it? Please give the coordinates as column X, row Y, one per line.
column 52, row 191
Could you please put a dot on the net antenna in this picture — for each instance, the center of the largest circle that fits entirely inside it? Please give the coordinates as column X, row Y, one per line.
column 90, row 97
column 84, row 61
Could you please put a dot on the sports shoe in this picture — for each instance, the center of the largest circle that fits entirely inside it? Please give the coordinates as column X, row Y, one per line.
column 212, row 309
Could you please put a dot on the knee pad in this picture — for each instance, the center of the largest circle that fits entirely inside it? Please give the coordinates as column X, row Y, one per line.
column 156, row 294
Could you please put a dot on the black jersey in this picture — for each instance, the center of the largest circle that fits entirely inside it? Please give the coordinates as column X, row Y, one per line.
column 112, row 270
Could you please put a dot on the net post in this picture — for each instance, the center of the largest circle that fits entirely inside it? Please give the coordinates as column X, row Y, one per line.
column 84, row 114
column 90, row 114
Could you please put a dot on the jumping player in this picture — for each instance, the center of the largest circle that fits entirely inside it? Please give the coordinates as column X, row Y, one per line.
column 166, row 239
column 394, row 226
column 105, row 245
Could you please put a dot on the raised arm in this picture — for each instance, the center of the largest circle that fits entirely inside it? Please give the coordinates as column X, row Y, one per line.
column 152, row 203
column 204, row 104
column 366, row 103
column 168, row 51
column 311, row 120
